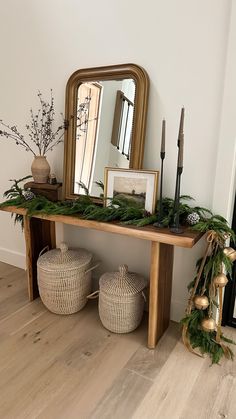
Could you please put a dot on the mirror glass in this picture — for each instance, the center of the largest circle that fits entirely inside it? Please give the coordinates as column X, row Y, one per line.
column 105, row 111
column 103, row 130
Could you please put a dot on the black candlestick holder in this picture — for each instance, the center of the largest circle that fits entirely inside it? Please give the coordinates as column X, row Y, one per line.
column 159, row 223
column 175, row 227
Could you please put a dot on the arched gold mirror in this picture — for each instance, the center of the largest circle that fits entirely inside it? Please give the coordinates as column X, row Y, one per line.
column 106, row 112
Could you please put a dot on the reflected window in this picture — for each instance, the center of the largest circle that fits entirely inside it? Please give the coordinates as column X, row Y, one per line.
column 88, row 108
column 123, row 123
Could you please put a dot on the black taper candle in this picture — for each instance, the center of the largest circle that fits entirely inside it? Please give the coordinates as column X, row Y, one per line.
column 180, row 143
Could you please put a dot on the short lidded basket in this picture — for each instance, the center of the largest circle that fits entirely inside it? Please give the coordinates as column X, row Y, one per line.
column 64, row 279
column 121, row 300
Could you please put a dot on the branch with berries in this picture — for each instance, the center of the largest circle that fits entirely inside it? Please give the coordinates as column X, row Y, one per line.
column 43, row 136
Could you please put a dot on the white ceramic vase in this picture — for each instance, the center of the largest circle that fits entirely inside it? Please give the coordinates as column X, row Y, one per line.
column 40, row 169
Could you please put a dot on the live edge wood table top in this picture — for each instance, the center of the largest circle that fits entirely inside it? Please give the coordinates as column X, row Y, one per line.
column 40, row 232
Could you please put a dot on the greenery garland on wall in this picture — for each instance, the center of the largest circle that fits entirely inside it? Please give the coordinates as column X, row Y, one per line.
column 199, row 327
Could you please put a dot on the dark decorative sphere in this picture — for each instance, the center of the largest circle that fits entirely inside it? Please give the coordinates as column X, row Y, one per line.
column 28, row 195
column 193, row 218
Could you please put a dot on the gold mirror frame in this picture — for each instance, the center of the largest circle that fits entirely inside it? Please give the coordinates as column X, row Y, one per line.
column 117, row 72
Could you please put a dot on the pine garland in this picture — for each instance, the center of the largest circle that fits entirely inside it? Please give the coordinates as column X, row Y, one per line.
column 204, row 284
column 128, row 212
column 205, row 341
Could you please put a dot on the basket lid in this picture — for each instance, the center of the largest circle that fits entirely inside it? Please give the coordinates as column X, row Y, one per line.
column 63, row 258
column 122, row 282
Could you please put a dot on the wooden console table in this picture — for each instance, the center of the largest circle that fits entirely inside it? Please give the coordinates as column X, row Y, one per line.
column 40, row 232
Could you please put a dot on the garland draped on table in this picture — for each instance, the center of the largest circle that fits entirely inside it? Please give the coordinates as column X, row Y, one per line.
column 199, row 327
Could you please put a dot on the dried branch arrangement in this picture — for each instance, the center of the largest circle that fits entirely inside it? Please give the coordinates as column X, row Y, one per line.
column 42, row 133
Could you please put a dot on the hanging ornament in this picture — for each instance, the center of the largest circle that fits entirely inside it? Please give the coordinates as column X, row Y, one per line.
column 28, row 195
column 208, row 324
column 201, row 302
column 220, row 280
column 193, row 218
column 230, row 253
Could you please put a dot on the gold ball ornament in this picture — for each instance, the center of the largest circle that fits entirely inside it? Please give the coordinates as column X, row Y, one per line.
column 230, row 253
column 208, row 324
column 220, row 280
column 201, row 302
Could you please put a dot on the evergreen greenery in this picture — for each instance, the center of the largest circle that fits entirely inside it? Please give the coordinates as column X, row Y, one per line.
column 15, row 194
column 122, row 209
column 216, row 223
column 206, row 341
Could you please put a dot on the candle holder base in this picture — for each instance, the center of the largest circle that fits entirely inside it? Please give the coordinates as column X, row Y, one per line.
column 158, row 224
column 176, row 230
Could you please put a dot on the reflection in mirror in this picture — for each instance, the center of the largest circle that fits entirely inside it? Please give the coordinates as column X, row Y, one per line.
column 105, row 111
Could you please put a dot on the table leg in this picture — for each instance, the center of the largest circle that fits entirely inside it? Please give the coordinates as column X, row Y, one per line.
column 38, row 234
column 162, row 256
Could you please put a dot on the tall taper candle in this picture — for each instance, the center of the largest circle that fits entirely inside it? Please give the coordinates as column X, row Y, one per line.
column 181, row 139
column 181, row 126
column 180, row 143
column 163, row 136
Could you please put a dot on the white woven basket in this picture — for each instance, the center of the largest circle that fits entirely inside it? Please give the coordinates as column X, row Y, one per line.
column 121, row 300
column 64, row 279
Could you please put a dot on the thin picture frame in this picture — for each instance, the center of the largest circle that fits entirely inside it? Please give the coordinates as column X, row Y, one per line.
column 140, row 185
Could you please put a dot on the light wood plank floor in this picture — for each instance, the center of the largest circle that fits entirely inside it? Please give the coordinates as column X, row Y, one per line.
column 66, row 367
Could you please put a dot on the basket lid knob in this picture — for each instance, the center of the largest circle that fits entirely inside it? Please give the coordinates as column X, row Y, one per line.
column 123, row 269
column 63, row 247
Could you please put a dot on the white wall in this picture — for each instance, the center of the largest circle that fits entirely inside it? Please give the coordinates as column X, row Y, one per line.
column 116, row 158
column 224, row 190
column 181, row 43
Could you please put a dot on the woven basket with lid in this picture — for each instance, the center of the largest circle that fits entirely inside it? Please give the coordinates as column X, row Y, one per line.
column 64, row 279
column 121, row 300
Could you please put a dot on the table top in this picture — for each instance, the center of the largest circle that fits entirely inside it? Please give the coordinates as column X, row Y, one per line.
column 187, row 239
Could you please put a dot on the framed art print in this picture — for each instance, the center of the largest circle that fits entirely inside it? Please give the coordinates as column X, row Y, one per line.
column 137, row 185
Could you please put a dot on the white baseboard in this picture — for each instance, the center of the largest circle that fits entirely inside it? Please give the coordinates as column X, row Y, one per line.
column 177, row 310
column 12, row 258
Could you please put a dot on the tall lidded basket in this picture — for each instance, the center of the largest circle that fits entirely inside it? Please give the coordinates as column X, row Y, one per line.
column 64, row 279
column 121, row 300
